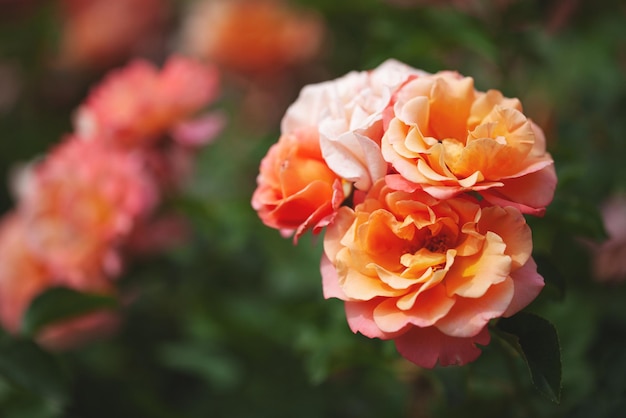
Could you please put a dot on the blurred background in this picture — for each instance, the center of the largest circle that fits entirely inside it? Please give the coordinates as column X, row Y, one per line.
column 229, row 320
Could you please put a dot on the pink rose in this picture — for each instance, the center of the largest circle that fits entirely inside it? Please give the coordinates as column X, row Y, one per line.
column 79, row 202
column 23, row 275
column 137, row 105
column 348, row 112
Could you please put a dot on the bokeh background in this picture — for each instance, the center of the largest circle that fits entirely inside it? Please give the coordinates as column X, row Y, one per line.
column 230, row 321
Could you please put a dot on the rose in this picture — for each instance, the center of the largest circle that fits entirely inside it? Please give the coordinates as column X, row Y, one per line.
column 135, row 106
column 428, row 273
column 348, row 112
column 296, row 190
column 96, row 34
column 447, row 138
column 23, row 276
column 252, row 37
column 80, row 202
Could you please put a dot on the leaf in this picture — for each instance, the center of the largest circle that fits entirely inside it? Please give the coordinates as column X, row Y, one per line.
column 577, row 216
column 23, row 363
column 217, row 367
column 537, row 341
column 551, row 274
column 61, row 303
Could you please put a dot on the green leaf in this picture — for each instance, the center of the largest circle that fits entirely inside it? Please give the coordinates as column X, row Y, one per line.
column 536, row 340
column 61, row 303
column 551, row 274
column 578, row 216
column 23, row 363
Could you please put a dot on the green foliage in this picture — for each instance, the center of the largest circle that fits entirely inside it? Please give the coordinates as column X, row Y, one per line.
column 535, row 339
column 61, row 303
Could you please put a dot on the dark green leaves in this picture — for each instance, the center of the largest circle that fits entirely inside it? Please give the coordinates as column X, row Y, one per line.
column 24, row 364
column 536, row 340
column 61, row 303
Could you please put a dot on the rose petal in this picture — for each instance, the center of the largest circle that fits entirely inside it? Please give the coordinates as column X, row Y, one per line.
column 468, row 316
column 527, row 285
column 427, row 346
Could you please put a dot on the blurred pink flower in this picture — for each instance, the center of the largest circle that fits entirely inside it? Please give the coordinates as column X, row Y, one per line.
column 23, row 276
column 79, row 202
column 101, row 33
column 137, row 105
column 609, row 257
column 251, row 36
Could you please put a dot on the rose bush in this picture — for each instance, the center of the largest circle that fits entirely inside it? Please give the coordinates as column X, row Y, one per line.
column 91, row 203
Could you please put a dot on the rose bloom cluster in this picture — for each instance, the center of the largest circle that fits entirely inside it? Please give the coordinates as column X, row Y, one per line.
column 81, row 208
column 421, row 183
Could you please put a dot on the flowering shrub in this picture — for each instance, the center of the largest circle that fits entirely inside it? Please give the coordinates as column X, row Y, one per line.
column 81, row 208
column 430, row 243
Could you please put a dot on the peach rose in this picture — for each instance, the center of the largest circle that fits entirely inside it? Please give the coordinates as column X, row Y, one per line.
column 296, row 190
column 447, row 138
column 135, row 106
column 428, row 273
column 79, row 202
column 348, row 112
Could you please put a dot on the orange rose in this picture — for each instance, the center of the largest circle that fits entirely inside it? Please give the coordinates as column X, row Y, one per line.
column 428, row 273
column 296, row 190
column 252, row 36
column 447, row 138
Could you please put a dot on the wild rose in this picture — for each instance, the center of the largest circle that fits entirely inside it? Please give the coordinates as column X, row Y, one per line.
column 79, row 202
column 427, row 273
column 135, row 106
column 296, row 190
column 448, row 138
column 348, row 112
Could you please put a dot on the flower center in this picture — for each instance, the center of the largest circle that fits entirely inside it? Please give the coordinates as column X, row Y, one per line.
column 436, row 244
